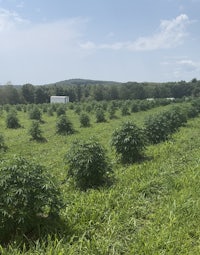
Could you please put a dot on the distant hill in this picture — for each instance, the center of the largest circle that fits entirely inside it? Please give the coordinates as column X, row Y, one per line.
column 82, row 82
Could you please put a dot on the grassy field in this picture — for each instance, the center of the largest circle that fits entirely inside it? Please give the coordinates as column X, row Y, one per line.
column 152, row 207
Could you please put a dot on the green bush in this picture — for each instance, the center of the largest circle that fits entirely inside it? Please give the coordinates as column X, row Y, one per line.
column 60, row 110
column 159, row 127
column 128, row 142
column 88, row 164
column 84, row 120
column 28, row 196
column 156, row 128
column 175, row 118
column 64, row 126
column 35, row 131
column 112, row 111
column 3, row 146
column 100, row 116
column 35, row 114
column 12, row 120
column 125, row 110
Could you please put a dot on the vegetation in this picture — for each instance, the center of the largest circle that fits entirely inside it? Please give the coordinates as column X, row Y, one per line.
column 35, row 131
column 87, row 90
column 3, row 146
column 129, row 142
column 35, row 114
column 150, row 207
column 12, row 120
column 84, row 120
column 88, row 164
column 27, row 196
column 64, row 126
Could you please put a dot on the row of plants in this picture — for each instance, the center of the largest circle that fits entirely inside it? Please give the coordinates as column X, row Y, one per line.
column 88, row 166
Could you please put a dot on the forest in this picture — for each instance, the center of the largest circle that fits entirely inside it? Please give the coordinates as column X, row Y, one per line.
column 88, row 90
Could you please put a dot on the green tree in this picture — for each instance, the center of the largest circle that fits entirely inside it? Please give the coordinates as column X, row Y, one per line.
column 28, row 93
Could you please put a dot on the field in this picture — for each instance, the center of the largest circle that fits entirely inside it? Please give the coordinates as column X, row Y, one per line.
column 151, row 206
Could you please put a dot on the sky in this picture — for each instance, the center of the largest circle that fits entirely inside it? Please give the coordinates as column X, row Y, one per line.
column 45, row 41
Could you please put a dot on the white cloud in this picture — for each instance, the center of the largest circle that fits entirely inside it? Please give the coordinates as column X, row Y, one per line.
column 181, row 67
column 171, row 33
column 10, row 20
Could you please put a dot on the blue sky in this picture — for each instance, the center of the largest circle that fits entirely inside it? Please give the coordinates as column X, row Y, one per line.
column 44, row 41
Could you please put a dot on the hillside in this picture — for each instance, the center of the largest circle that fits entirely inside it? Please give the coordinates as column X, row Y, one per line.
column 150, row 206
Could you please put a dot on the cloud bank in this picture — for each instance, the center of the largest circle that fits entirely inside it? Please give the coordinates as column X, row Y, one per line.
column 170, row 34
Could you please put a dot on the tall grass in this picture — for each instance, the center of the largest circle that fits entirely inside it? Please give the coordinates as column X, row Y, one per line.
column 151, row 208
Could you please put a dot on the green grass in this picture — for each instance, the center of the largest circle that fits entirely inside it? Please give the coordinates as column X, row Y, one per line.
column 151, row 208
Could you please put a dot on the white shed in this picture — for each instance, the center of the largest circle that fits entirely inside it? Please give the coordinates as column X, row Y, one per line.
column 59, row 99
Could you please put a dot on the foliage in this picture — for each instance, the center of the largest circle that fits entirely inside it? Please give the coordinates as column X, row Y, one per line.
column 175, row 118
column 28, row 195
column 100, row 115
column 35, row 131
column 129, row 142
column 84, row 120
column 159, row 127
column 3, row 146
column 35, row 113
column 64, row 126
column 125, row 110
column 88, row 164
column 12, row 120
column 156, row 128
column 60, row 110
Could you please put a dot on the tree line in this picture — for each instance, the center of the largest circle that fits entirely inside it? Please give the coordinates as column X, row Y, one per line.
column 86, row 91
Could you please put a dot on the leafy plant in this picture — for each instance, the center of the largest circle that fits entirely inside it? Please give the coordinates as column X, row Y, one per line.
column 88, row 164
column 12, row 120
column 35, row 114
column 129, row 142
column 60, row 110
column 84, row 120
column 3, row 146
column 35, row 131
column 64, row 126
column 100, row 116
column 156, row 128
column 125, row 110
column 28, row 196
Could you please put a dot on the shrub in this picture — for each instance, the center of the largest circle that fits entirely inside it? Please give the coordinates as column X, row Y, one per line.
column 3, row 147
column 35, row 114
column 12, row 120
column 28, row 196
column 64, row 126
column 84, row 120
column 88, row 164
column 135, row 106
column 112, row 111
column 129, row 142
column 175, row 118
column 35, row 131
column 100, row 116
column 125, row 110
column 60, row 110
column 156, row 128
